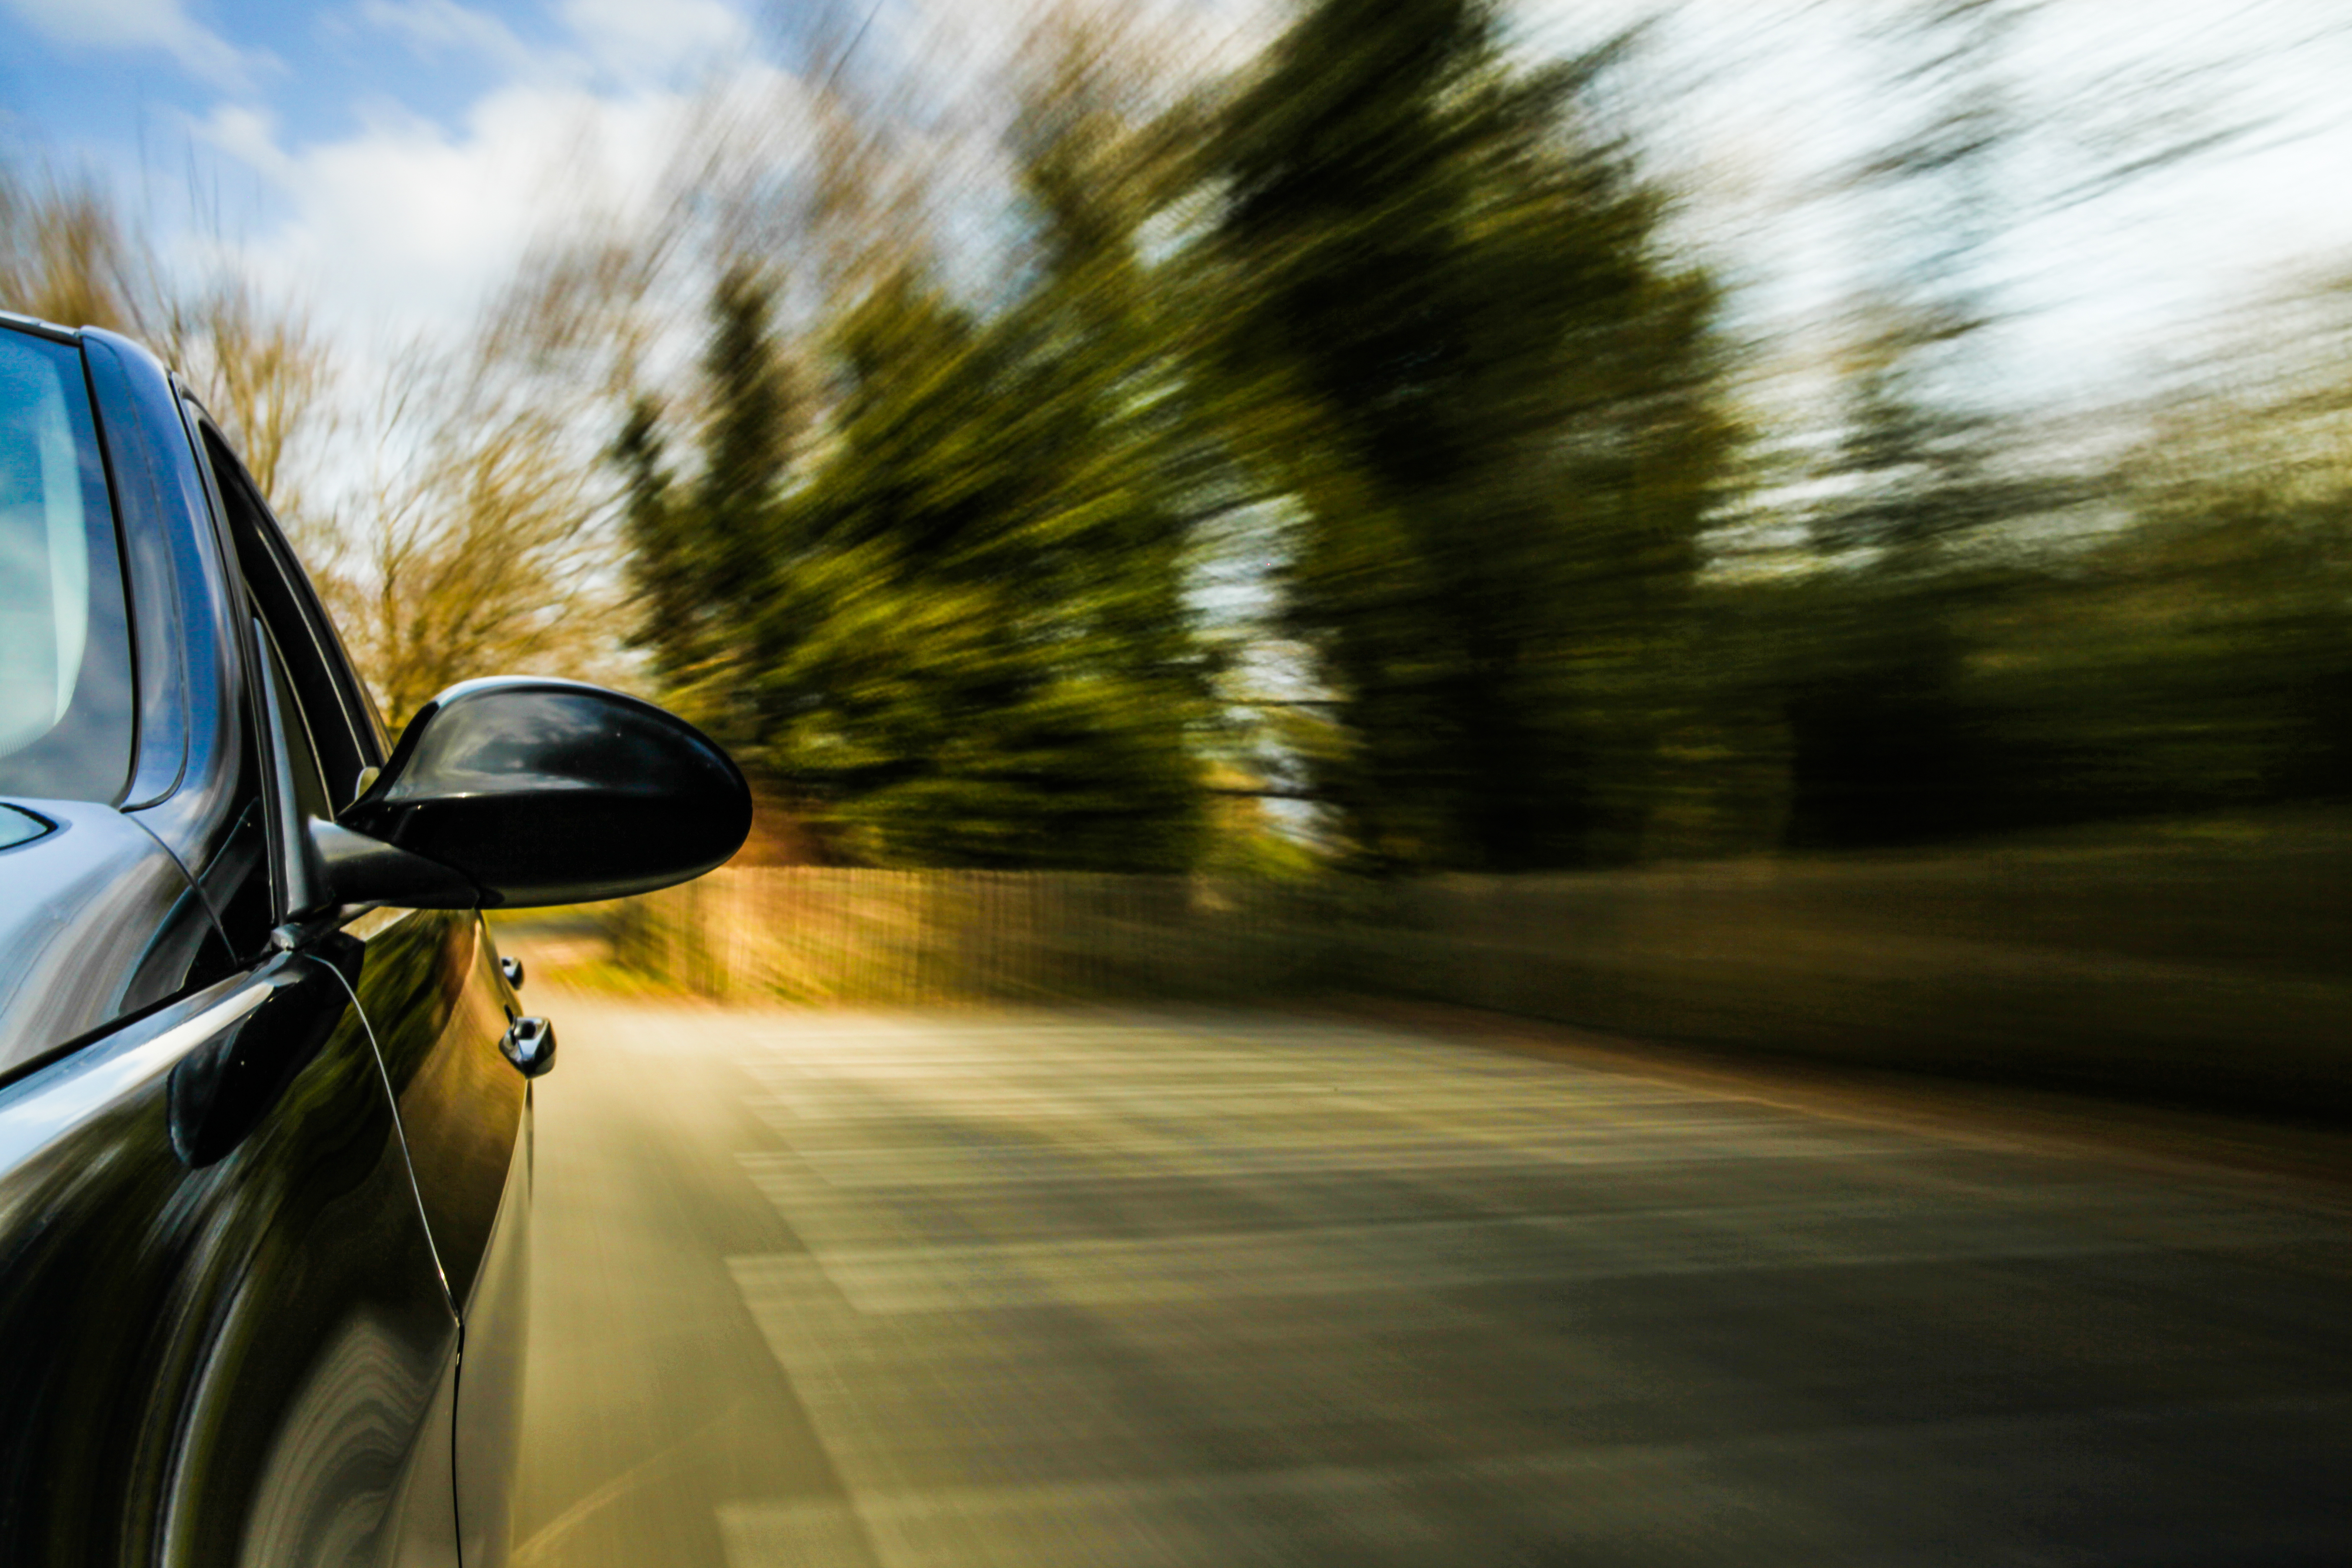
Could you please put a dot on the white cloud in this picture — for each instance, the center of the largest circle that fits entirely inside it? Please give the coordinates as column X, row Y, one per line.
column 636, row 41
column 436, row 29
column 250, row 135
column 162, row 24
column 407, row 226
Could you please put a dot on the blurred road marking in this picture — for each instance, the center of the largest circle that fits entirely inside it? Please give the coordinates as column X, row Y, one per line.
column 1684, row 1501
column 1127, row 1292
column 1415, row 1259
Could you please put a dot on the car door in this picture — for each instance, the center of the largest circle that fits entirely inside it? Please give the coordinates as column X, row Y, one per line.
column 226, row 1340
column 225, row 1337
column 430, row 985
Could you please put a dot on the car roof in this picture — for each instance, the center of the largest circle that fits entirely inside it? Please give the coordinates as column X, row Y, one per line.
column 39, row 328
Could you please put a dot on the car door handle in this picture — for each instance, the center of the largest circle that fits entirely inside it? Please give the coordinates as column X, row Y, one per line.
column 529, row 1044
column 222, row 1091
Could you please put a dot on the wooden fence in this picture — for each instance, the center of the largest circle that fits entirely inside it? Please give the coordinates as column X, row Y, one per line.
column 2214, row 967
column 903, row 937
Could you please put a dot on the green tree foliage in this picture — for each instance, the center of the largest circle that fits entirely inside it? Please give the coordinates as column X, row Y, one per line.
column 701, row 559
column 1940, row 675
column 2198, row 658
column 957, row 630
column 2201, row 664
column 1886, row 746
column 1452, row 336
column 1385, row 342
column 981, row 654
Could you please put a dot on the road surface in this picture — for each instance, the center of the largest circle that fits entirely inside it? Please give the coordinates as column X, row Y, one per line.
column 1083, row 1290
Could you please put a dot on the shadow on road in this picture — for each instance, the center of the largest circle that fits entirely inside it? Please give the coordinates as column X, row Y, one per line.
column 1111, row 1288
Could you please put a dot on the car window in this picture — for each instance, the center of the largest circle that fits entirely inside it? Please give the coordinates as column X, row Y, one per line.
column 329, row 702
column 66, row 707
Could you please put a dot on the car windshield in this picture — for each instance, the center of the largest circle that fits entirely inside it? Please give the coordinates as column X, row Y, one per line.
column 64, row 668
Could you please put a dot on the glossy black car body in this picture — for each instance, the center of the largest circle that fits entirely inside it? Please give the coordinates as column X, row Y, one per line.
column 264, row 1104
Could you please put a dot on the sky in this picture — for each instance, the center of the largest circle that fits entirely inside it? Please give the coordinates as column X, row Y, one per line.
column 389, row 158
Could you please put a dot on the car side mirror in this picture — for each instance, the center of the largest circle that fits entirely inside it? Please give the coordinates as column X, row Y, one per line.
column 520, row 790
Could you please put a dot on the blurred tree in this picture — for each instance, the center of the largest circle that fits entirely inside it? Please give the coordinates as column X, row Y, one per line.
column 2200, row 662
column 1912, row 708
column 958, row 627
column 1884, row 746
column 982, row 655
column 481, row 542
column 2198, row 657
column 702, row 561
column 257, row 362
column 262, row 369
column 66, row 255
column 1452, row 334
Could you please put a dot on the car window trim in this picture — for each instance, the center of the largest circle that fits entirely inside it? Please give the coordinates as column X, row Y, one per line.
column 354, row 706
column 261, row 742
column 148, row 518
column 113, row 467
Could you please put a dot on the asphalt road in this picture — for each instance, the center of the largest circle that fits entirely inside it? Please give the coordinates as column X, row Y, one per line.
column 1106, row 1289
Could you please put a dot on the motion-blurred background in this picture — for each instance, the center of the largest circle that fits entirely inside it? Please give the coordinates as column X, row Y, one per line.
column 1316, row 448
column 1400, row 437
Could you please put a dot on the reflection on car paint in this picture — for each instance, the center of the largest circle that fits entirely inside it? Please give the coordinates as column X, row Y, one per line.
column 98, row 922
column 460, row 1101
column 289, row 1273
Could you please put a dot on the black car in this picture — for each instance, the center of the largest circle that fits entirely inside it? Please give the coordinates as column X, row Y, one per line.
column 264, row 1083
